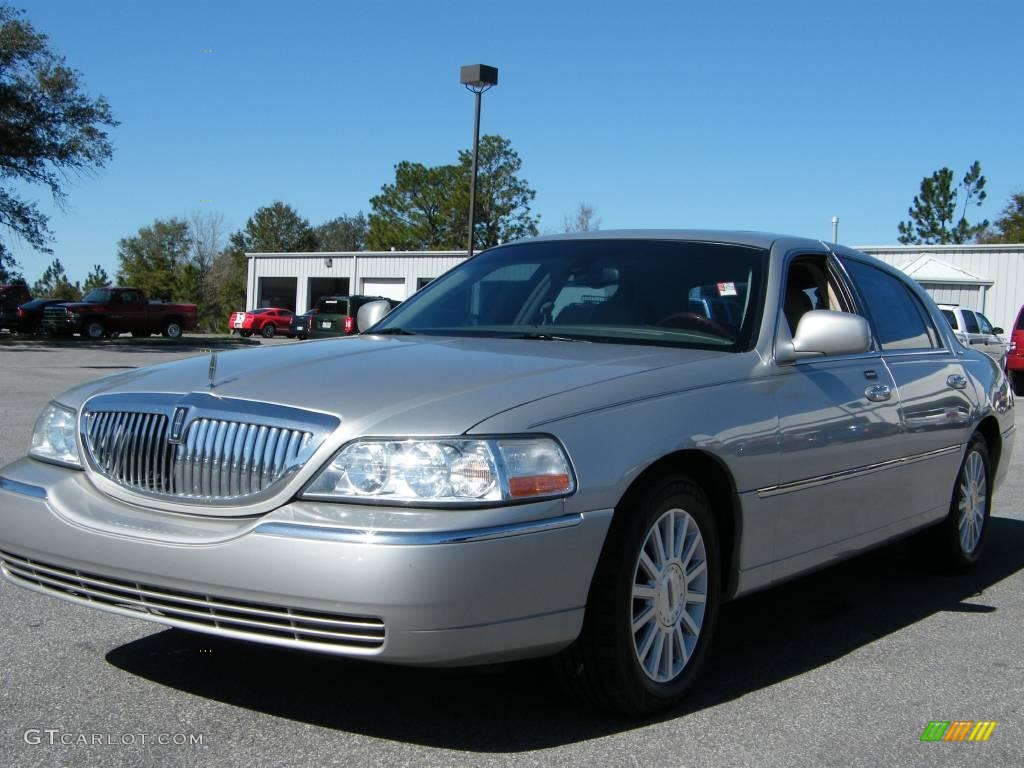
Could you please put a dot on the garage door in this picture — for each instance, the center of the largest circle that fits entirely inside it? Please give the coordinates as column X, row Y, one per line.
column 390, row 287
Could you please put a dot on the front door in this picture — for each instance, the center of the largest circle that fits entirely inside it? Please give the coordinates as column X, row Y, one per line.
column 839, row 423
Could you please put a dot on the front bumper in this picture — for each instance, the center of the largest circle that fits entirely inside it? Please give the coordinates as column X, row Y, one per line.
column 62, row 325
column 399, row 586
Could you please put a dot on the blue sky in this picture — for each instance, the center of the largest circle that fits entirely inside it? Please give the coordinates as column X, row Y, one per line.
column 771, row 116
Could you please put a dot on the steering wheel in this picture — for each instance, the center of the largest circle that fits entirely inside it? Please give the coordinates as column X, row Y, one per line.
column 697, row 322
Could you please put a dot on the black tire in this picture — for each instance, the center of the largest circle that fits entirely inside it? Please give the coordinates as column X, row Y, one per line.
column 1017, row 382
column 269, row 330
column 960, row 550
column 302, row 337
column 245, row 334
column 603, row 666
column 171, row 329
column 94, row 330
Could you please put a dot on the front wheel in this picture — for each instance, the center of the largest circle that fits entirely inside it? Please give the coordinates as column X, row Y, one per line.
column 653, row 605
column 172, row 329
column 268, row 331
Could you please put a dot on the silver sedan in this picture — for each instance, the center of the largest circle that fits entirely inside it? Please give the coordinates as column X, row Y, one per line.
column 576, row 446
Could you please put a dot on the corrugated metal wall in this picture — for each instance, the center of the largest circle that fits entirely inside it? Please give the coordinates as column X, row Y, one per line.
column 1002, row 264
column 411, row 266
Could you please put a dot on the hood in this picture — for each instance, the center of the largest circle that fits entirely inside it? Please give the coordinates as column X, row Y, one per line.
column 399, row 385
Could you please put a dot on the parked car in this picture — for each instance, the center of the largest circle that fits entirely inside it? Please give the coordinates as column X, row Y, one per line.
column 11, row 297
column 973, row 329
column 29, row 316
column 266, row 321
column 299, row 325
column 336, row 315
column 549, row 450
column 1015, row 355
column 110, row 311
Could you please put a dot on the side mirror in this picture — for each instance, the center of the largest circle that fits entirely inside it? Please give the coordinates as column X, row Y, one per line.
column 997, row 331
column 372, row 313
column 826, row 332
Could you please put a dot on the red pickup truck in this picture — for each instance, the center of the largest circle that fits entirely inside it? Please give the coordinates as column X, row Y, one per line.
column 110, row 311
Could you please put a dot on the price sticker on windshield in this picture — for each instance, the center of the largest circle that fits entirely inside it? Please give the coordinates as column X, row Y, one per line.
column 726, row 289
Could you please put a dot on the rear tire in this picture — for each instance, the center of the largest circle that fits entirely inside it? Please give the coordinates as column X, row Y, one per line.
column 171, row 329
column 653, row 604
column 269, row 330
column 1017, row 382
column 963, row 533
column 94, row 330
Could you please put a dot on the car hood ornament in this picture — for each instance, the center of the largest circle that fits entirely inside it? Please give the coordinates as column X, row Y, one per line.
column 213, row 368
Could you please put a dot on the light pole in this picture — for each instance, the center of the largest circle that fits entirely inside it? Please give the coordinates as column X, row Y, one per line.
column 835, row 229
column 477, row 78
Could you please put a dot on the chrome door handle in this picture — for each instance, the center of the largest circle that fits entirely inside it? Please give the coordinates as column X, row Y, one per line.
column 956, row 381
column 878, row 393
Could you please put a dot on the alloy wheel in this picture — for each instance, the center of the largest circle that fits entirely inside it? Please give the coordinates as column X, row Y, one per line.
column 669, row 595
column 973, row 502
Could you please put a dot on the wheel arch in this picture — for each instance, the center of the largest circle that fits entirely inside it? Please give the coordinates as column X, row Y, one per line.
column 710, row 473
column 989, row 429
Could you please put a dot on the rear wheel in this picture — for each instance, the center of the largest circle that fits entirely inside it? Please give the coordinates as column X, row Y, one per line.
column 172, row 329
column 93, row 329
column 1017, row 382
column 653, row 604
column 964, row 531
column 268, row 331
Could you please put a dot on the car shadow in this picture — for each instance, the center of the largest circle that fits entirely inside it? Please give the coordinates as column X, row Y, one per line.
column 126, row 344
column 762, row 640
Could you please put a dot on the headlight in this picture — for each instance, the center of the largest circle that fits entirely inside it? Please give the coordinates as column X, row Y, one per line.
column 53, row 438
column 445, row 471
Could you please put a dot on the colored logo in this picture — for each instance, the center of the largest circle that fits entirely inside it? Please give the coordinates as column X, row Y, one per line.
column 958, row 730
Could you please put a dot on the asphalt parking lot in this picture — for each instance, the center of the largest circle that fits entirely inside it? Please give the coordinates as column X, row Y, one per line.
column 842, row 668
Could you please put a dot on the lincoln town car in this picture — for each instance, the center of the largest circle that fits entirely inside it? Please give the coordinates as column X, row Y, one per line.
column 576, row 446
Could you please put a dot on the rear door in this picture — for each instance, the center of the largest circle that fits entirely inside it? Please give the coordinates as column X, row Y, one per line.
column 935, row 395
column 995, row 347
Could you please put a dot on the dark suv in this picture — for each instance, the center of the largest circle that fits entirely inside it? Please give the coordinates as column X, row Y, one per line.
column 336, row 315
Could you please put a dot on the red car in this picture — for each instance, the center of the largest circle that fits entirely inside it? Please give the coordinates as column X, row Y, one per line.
column 266, row 320
column 1015, row 357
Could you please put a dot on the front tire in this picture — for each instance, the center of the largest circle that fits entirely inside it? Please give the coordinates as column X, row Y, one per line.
column 269, row 330
column 653, row 605
column 965, row 529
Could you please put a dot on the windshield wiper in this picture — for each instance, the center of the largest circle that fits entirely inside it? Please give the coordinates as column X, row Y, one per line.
column 394, row 331
column 538, row 336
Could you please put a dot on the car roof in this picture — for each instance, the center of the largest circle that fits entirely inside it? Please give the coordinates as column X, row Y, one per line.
column 734, row 236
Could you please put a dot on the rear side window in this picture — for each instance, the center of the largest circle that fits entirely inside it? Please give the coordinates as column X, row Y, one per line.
column 970, row 321
column 900, row 319
column 950, row 316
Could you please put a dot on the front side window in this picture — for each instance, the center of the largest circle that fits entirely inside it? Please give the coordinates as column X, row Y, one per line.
column 983, row 323
column 901, row 321
column 664, row 292
column 98, row 296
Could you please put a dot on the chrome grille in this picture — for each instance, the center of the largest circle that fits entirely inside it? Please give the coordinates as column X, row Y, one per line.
column 216, row 459
column 256, row 621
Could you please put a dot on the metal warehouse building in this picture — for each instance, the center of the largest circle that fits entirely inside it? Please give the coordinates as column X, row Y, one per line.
column 298, row 280
column 987, row 278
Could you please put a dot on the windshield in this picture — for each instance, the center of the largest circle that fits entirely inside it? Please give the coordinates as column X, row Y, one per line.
column 98, row 296
column 689, row 294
